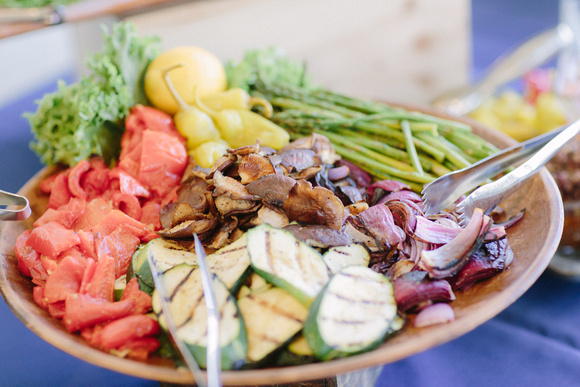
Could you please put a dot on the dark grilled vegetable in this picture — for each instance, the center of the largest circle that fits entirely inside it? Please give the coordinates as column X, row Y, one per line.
column 188, row 310
column 354, row 313
column 338, row 257
column 286, row 262
column 272, row 317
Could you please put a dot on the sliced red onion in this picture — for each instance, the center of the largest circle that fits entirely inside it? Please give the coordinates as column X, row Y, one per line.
column 486, row 262
column 435, row 232
column 495, row 233
column 338, row 173
column 404, row 216
column 388, row 186
column 434, row 314
column 412, row 248
column 448, row 259
column 379, row 222
column 400, row 195
column 447, row 221
column 360, row 177
column 501, row 253
column 415, row 288
column 415, row 206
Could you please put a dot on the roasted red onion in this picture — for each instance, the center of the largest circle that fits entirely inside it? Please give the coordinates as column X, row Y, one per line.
column 388, row 186
column 486, row 262
column 338, row 173
column 360, row 177
column 435, row 232
column 414, row 289
column 379, row 222
column 448, row 259
column 404, row 216
column 434, row 314
column 401, row 195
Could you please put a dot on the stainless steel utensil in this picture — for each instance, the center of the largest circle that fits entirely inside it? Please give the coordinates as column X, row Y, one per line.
column 213, row 348
column 8, row 199
column 489, row 195
column 213, row 320
column 444, row 191
column 46, row 15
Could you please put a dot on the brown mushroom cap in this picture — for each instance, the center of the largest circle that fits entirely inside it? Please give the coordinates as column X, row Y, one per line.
column 318, row 235
column 254, row 166
column 225, row 185
column 188, row 228
column 316, row 205
column 272, row 189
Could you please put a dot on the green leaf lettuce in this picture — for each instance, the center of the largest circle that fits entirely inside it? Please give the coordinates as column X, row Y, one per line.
column 86, row 118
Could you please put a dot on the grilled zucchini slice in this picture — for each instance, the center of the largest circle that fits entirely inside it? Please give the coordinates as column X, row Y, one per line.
column 272, row 318
column 230, row 264
column 286, row 262
column 188, row 310
column 166, row 254
column 341, row 256
column 353, row 314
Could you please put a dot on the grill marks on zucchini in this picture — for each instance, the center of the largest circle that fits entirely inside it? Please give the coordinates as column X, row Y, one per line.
column 165, row 253
column 188, row 310
column 353, row 313
column 341, row 256
column 272, row 317
column 231, row 263
column 284, row 261
column 291, row 291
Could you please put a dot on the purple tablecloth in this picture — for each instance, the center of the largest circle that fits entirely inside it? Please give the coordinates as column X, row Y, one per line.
column 535, row 342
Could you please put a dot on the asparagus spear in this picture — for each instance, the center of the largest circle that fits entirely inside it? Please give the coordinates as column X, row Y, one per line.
column 387, row 141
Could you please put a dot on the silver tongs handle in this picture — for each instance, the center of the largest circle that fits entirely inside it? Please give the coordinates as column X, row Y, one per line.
column 490, row 194
column 46, row 15
column 455, row 184
column 490, row 166
column 8, row 199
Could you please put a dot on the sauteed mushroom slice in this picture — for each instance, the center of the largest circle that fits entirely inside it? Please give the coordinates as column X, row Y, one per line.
column 314, row 205
column 228, row 186
column 272, row 189
column 317, row 235
column 246, row 150
column 222, row 164
column 273, row 216
column 187, row 228
column 299, row 159
column 254, row 166
column 226, row 206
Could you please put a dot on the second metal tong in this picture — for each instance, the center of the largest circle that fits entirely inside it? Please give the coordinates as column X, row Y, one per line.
column 9, row 199
column 445, row 190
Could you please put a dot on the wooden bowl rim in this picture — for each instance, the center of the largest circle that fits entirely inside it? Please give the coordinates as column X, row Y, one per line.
column 392, row 350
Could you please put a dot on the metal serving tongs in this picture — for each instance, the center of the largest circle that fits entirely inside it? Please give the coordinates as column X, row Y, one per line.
column 7, row 199
column 47, row 15
column 445, row 190
column 213, row 353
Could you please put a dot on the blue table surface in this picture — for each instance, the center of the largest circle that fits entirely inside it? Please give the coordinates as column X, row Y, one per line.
column 534, row 342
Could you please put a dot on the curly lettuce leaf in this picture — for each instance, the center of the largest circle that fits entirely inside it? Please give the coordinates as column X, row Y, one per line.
column 271, row 65
column 86, row 118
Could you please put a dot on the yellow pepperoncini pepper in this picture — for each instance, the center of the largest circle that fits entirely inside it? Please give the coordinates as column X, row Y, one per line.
column 193, row 123
column 208, row 152
column 236, row 98
column 240, row 127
